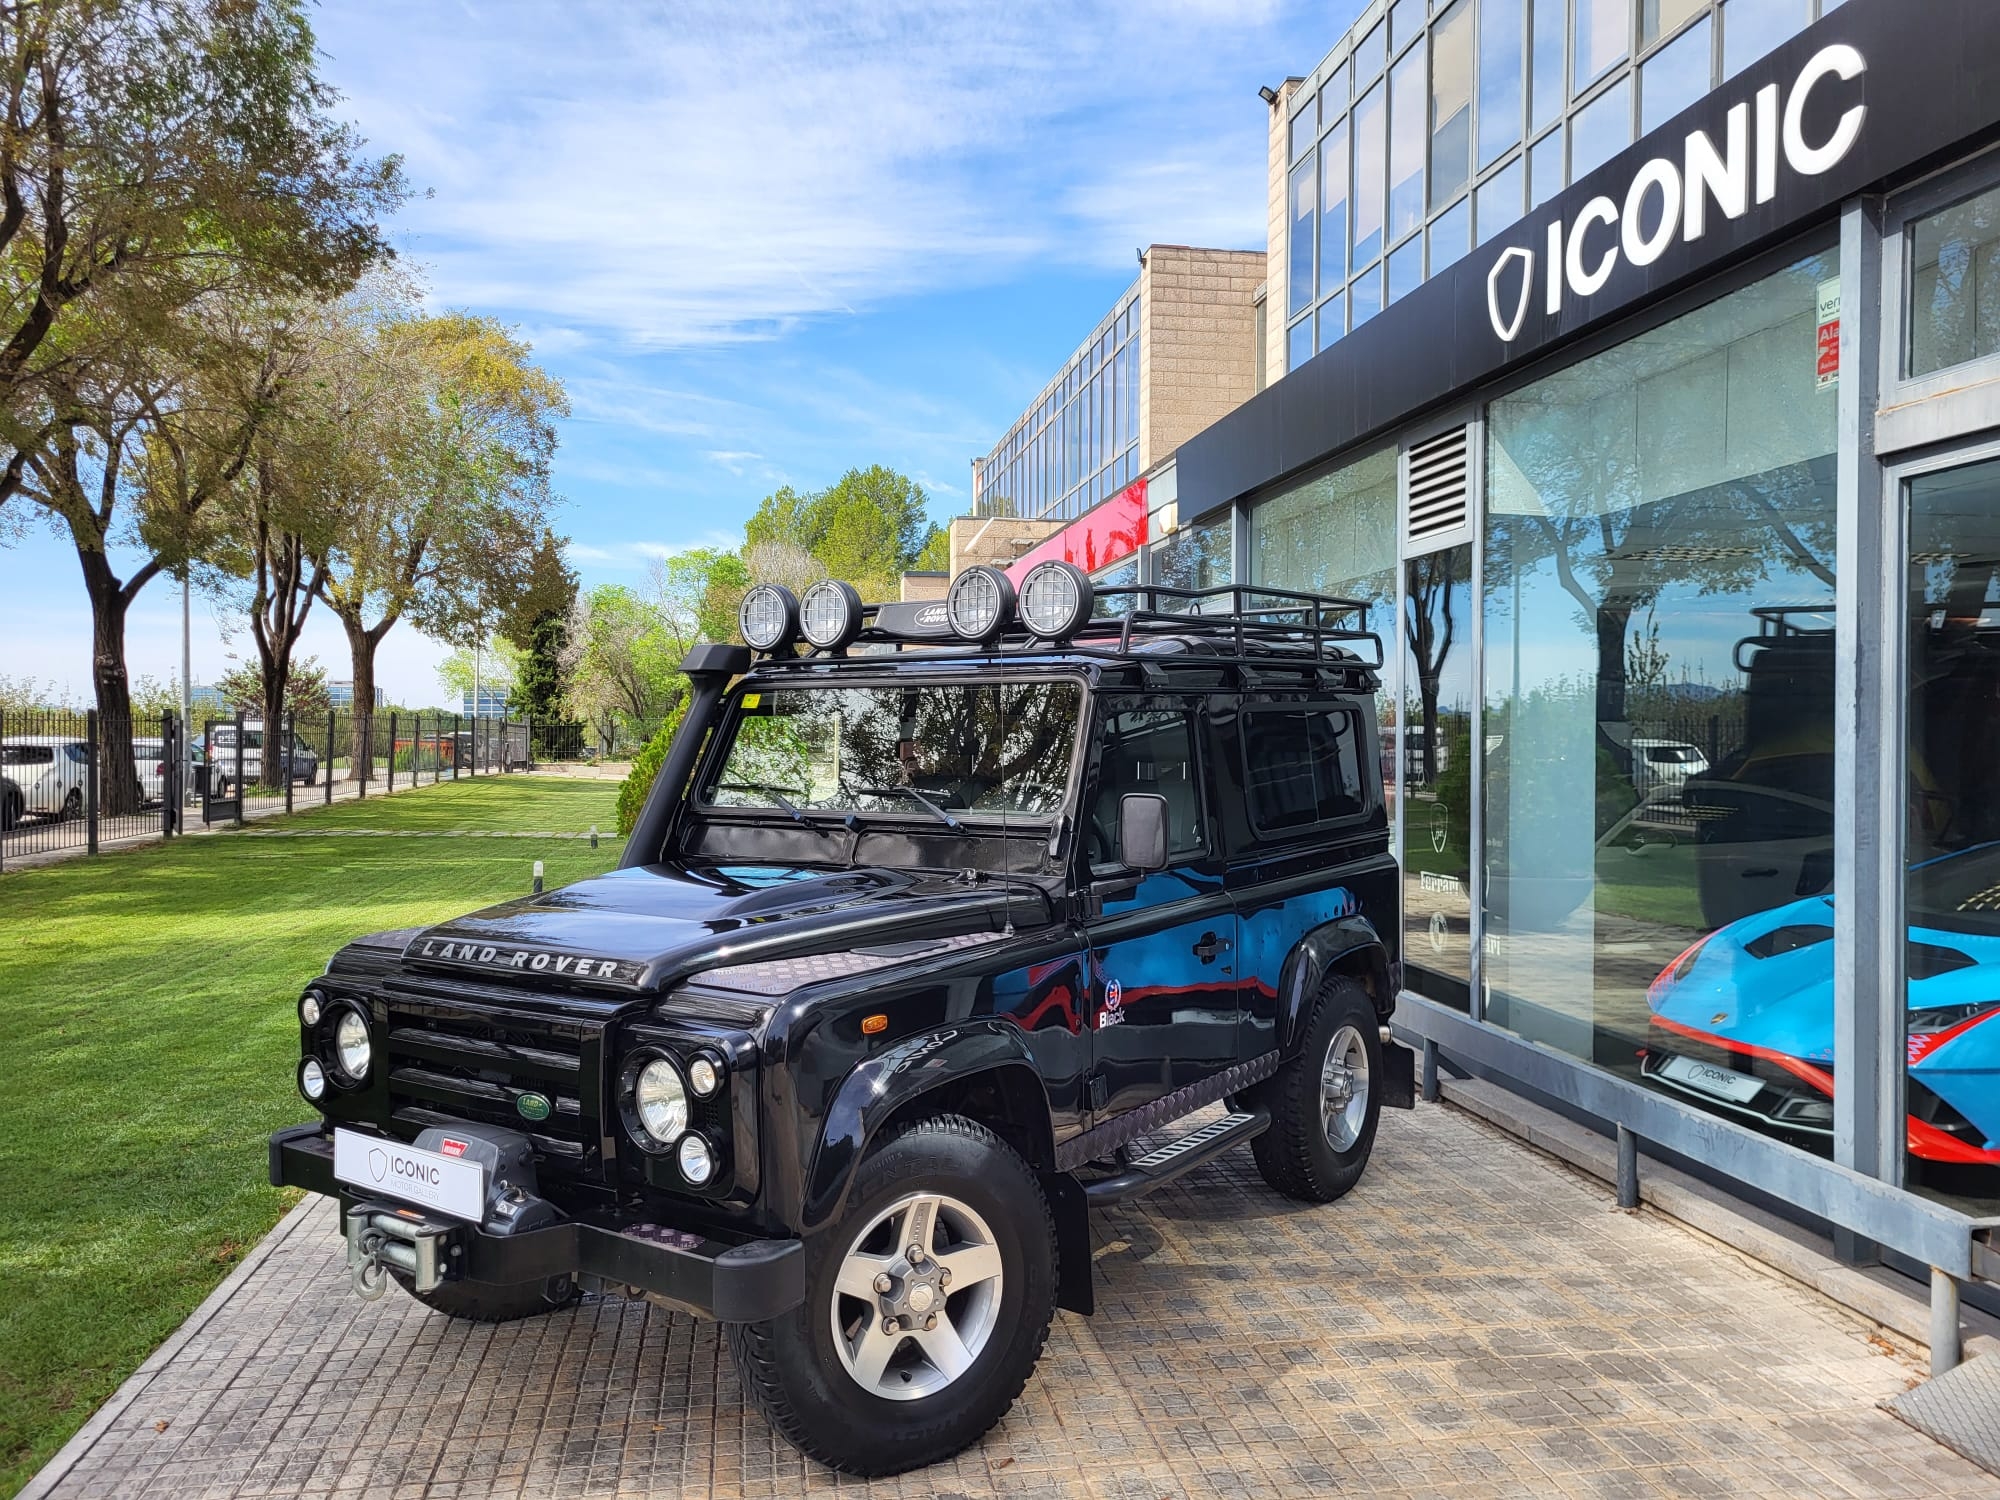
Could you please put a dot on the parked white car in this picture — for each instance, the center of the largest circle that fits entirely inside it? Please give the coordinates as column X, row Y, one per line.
column 1663, row 766
column 48, row 773
column 302, row 760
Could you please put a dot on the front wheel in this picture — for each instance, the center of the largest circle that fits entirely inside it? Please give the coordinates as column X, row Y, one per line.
column 927, row 1305
column 1323, row 1102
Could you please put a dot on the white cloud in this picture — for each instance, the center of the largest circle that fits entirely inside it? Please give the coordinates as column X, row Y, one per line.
column 712, row 172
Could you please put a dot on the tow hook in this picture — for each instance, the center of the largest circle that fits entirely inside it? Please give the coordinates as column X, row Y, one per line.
column 381, row 1239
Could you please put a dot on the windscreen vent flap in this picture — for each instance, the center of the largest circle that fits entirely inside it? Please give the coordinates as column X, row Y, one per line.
column 1438, row 485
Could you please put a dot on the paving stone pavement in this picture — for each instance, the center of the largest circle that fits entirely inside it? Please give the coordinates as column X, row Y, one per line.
column 1474, row 1320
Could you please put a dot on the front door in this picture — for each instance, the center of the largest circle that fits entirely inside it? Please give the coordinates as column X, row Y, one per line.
column 1163, row 955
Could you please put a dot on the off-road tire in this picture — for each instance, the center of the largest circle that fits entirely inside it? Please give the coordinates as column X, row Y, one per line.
column 72, row 806
column 1294, row 1155
column 486, row 1302
column 791, row 1370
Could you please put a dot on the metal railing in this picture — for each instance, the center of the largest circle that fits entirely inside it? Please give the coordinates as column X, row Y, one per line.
column 64, row 785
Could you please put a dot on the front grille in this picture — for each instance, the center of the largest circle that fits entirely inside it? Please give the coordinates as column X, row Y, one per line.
column 448, row 1062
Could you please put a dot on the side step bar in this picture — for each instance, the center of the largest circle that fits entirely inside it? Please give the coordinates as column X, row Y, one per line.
column 1177, row 1158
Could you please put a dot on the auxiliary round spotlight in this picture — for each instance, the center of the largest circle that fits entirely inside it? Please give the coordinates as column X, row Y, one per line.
column 704, row 1075
column 697, row 1159
column 768, row 617
column 979, row 604
column 830, row 614
column 1055, row 599
column 309, row 1010
column 312, row 1079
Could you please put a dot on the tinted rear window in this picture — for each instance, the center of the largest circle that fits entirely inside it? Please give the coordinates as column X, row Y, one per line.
column 1303, row 767
column 27, row 755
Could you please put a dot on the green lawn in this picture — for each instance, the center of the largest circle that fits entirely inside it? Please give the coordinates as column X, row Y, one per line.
column 149, row 1039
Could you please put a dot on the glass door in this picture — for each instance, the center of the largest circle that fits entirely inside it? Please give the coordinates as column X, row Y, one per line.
column 1952, row 834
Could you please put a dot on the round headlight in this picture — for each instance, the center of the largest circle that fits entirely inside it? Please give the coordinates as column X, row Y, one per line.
column 704, row 1076
column 767, row 617
column 1055, row 599
column 830, row 614
column 697, row 1160
column 661, row 1101
column 350, row 1044
column 979, row 603
column 312, row 1079
column 309, row 1010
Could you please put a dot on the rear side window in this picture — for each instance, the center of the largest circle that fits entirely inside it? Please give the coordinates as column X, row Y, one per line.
column 26, row 755
column 1303, row 767
column 1148, row 750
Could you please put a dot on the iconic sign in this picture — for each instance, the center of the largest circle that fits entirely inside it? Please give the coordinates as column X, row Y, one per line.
column 1670, row 199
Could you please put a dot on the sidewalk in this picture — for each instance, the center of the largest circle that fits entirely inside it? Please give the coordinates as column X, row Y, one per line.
column 1475, row 1320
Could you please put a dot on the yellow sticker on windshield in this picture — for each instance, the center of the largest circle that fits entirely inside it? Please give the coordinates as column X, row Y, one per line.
column 751, row 700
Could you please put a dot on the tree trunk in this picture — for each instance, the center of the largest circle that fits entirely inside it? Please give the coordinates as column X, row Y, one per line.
column 361, row 644
column 1612, row 620
column 117, row 772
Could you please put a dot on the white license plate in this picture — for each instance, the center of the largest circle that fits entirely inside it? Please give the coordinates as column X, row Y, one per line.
column 429, row 1179
column 1721, row 1083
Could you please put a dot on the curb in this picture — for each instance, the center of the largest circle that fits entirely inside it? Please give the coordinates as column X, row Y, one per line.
column 52, row 1473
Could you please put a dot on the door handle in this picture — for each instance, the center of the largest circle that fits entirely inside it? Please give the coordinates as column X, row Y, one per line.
column 1210, row 947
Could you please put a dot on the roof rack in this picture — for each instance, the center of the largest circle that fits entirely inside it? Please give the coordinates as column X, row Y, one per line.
column 1232, row 621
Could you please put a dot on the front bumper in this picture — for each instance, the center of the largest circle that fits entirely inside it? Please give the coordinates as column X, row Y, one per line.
column 742, row 1281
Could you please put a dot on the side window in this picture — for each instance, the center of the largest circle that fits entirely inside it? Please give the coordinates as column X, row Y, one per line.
column 1303, row 767
column 1149, row 750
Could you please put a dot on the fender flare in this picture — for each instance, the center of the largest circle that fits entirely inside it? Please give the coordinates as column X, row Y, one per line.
column 880, row 1085
column 1326, row 947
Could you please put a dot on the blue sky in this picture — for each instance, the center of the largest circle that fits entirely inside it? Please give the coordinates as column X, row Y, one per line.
column 761, row 244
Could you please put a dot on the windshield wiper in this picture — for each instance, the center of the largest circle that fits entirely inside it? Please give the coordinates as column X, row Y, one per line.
column 777, row 795
column 915, row 796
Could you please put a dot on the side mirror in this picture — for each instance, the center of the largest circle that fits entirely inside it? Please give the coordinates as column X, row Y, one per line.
column 1142, row 830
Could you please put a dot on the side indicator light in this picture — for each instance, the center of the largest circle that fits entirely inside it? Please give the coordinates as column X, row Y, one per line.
column 870, row 1025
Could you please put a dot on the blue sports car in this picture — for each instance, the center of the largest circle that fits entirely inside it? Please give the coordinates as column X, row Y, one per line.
column 1745, row 1016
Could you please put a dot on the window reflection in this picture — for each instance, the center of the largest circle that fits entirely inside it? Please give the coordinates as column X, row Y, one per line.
column 1545, row 168
column 1437, row 769
column 1659, row 17
column 1371, row 125
column 1659, row 703
column 1370, row 53
column 1305, row 199
column 1195, row 557
column 1406, row 23
column 1751, row 28
column 1952, row 838
column 1449, row 234
column 1451, row 103
column 1500, row 74
column 1674, row 77
column 1299, row 343
column 1601, row 129
column 1499, row 201
column 1336, row 534
column 1406, row 269
column 1954, row 296
column 1364, row 297
column 1407, row 101
column 1547, row 75
column 1332, row 319
column 1600, row 39
column 1333, row 210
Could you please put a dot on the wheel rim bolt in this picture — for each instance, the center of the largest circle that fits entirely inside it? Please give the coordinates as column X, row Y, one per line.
column 944, row 1278
column 930, row 1322
column 891, row 1325
column 916, row 1255
column 883, row 1284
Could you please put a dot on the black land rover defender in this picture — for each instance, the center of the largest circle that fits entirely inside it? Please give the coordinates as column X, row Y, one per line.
column 924, row 939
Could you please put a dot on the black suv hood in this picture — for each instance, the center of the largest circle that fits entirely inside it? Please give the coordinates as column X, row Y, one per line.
column 650, row 926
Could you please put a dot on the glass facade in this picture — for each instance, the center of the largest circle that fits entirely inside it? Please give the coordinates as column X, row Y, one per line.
column 1079, row 442
column 1437, row 768
column 1472, row 115
column 1954, row 303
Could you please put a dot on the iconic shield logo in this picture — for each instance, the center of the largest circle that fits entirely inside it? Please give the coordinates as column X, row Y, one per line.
column 532, row 1106
column 378, row 1163
column 1509, row 329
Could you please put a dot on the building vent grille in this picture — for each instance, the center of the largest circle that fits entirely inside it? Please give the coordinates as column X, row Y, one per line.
column 1438, row 485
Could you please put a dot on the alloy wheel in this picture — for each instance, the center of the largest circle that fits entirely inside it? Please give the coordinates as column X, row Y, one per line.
column 1343, row 1089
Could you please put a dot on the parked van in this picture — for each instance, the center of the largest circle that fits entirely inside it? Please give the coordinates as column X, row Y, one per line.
column 302, row 761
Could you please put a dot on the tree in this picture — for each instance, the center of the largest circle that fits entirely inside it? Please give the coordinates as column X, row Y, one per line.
column 867, row 529
column 154, row 154
column 537, row 627
column 449, row 534
column 623, row 661
column 493, row 666
column 935, row 554
column 306, row 698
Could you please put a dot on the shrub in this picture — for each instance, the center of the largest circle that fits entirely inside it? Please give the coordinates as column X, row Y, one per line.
column 638, row 783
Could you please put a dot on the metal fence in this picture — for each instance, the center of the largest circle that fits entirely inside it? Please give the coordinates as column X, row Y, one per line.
column 64, row 783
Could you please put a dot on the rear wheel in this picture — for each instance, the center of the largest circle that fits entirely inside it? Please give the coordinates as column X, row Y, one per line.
column 73, row 804
column 10, row 808
column 485, row 1302
column 927, row 1305
column 1323, row 1102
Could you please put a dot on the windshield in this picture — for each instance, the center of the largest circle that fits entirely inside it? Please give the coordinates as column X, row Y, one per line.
column 986, row 749
column 1957, row 892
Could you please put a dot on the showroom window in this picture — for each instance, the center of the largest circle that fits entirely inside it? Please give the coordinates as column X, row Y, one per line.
column 1954, row 292
column 1196, row 557
column 1437, row 770
column 1658, row 719
column 1336, row 534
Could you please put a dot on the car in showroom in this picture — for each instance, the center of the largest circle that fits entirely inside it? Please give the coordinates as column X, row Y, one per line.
column 1744, row 1017
column 932, row 935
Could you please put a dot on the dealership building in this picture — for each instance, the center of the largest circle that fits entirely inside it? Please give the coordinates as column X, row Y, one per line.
column 1634, row 367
